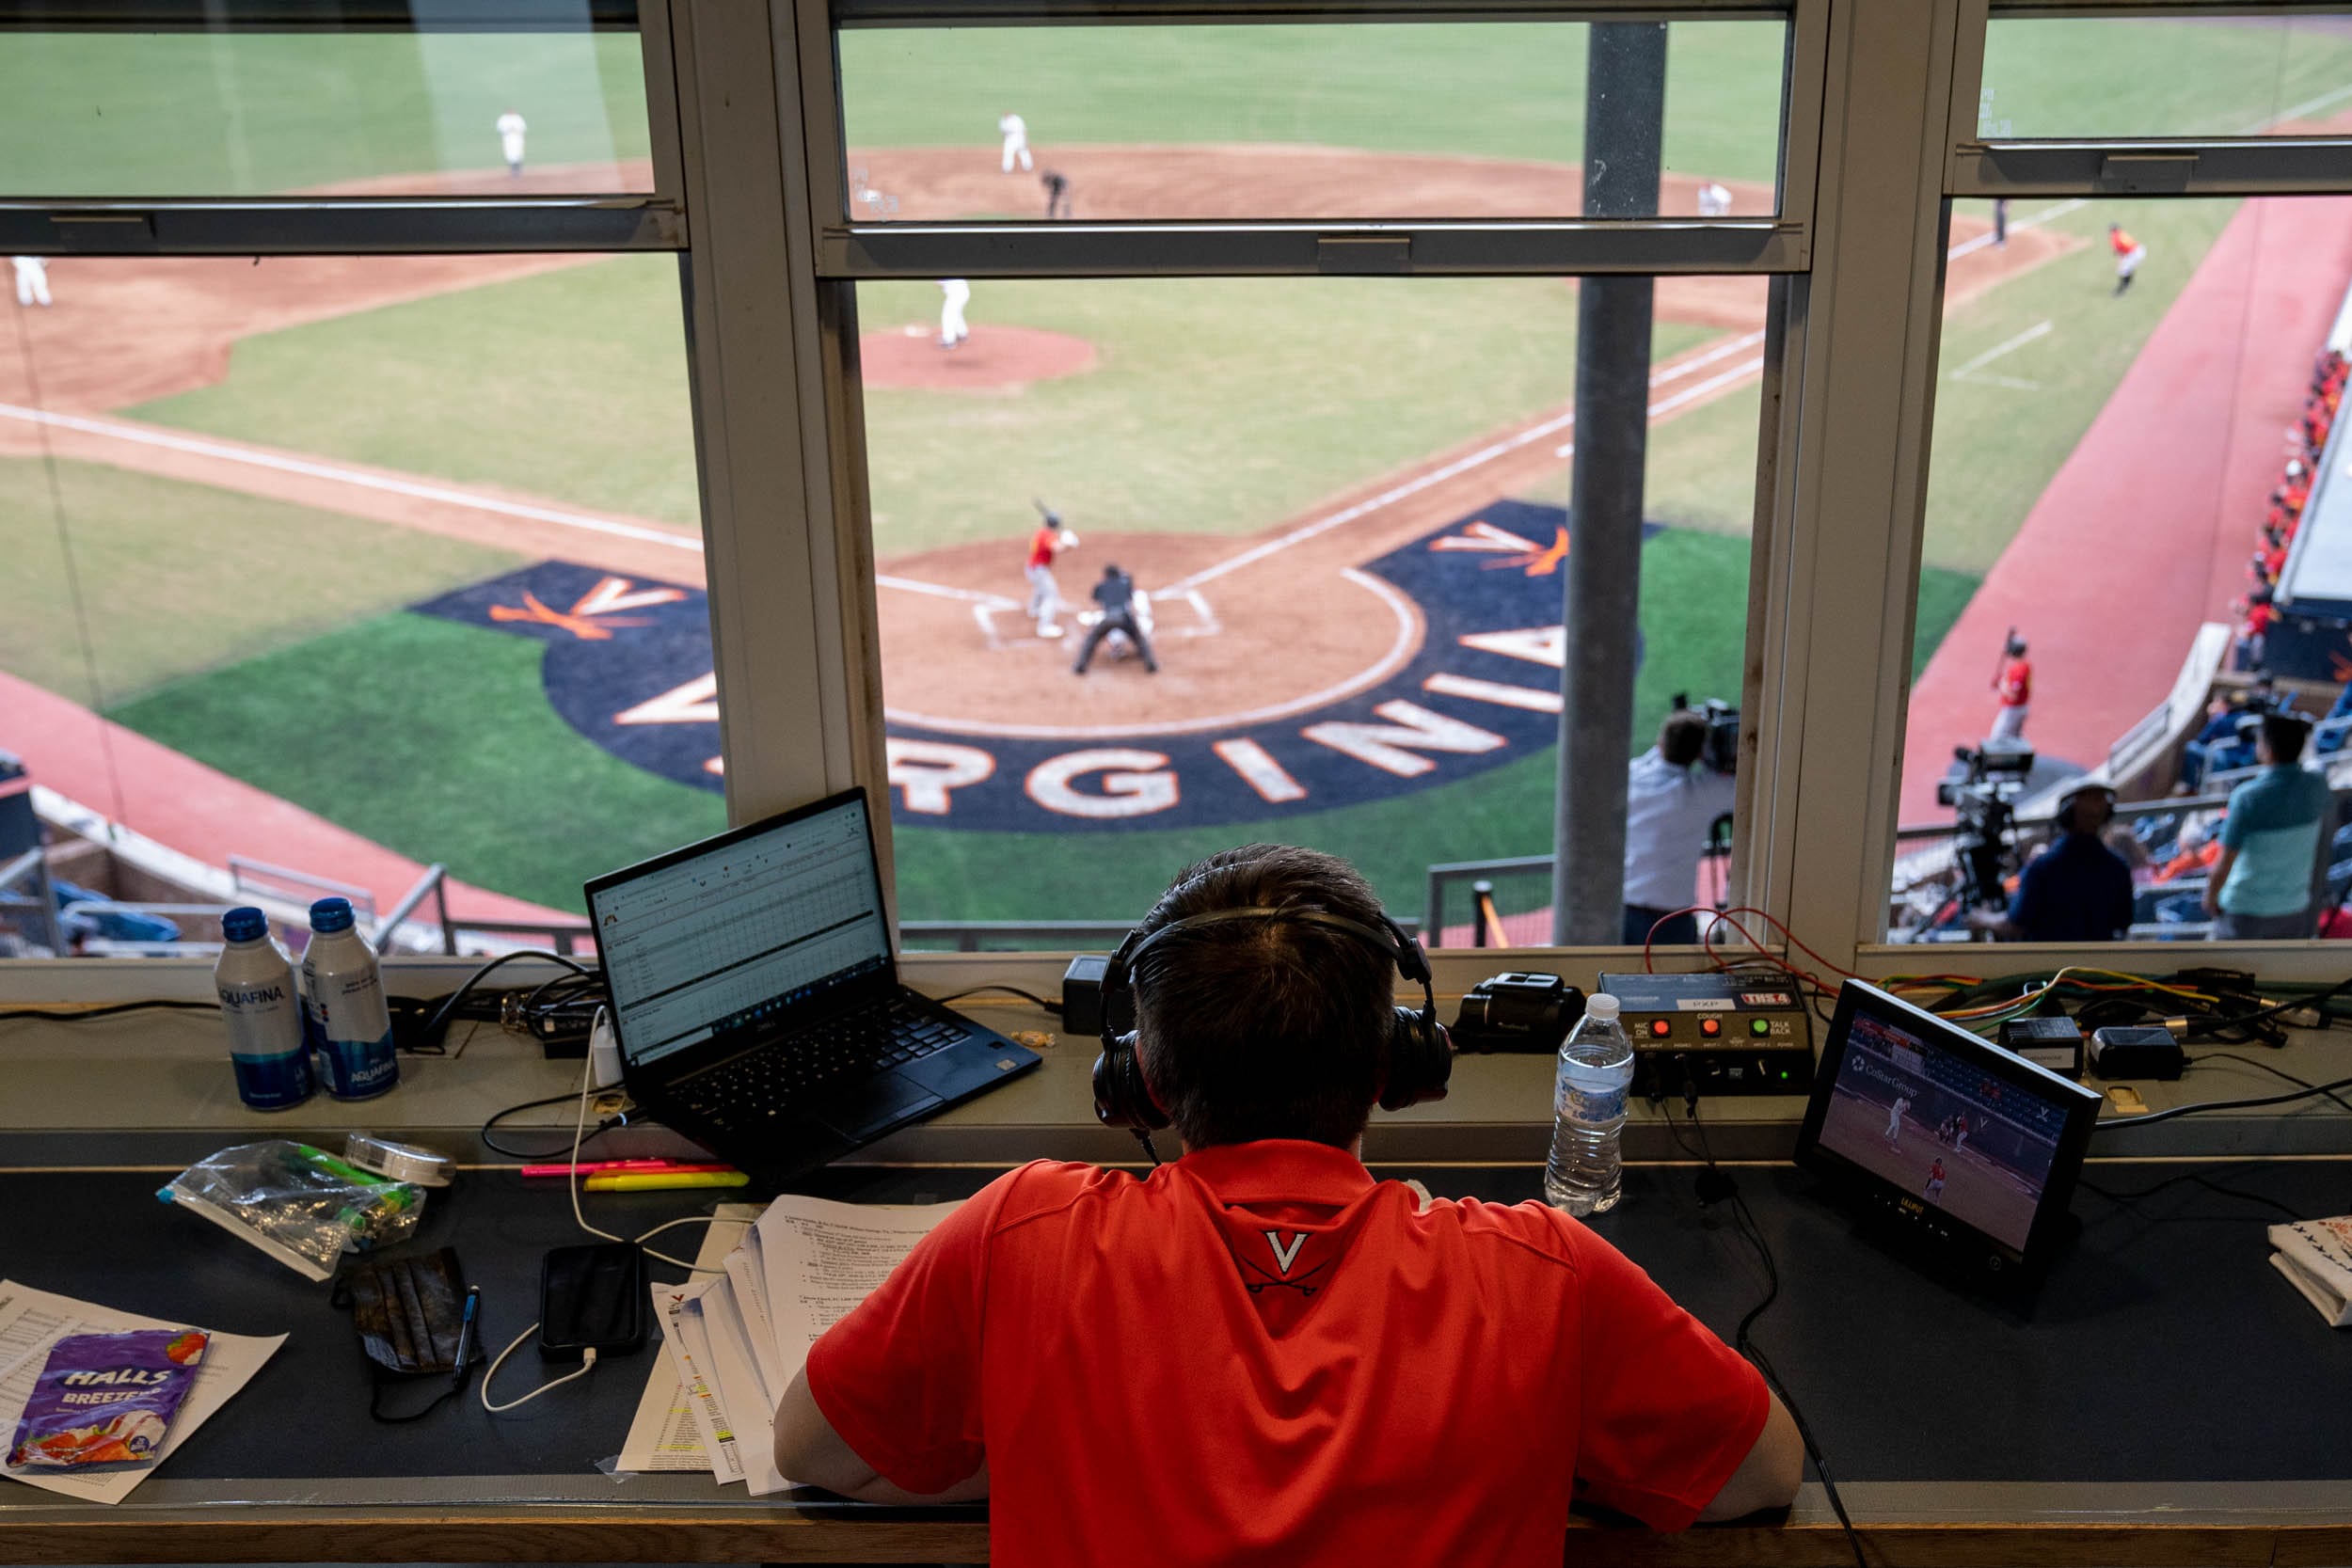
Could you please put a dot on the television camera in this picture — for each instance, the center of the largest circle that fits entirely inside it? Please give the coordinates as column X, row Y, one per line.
column 1723, row 731
column 1981, row 794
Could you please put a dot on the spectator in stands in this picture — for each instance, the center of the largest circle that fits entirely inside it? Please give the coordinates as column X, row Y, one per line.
column 2077, row 890
column 2274, row 553
column 2224, row 744
column 2256, row 616
column 1671, row 799
column 2260, row 884
column 2192, row 851
column 2015, row 685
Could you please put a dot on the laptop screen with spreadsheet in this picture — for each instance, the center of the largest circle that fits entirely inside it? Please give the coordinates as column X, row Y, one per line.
column 742, row 930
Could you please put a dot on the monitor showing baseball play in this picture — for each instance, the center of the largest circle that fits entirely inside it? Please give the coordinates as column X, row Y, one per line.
column 1947, row 1129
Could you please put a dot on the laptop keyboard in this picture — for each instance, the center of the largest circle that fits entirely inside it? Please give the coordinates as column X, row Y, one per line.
column 793, row 1075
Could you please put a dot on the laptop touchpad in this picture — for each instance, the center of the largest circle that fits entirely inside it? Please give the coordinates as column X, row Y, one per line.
column 866, row 1109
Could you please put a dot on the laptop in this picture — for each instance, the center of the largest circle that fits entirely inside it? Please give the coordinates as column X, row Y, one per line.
column 756, row 1004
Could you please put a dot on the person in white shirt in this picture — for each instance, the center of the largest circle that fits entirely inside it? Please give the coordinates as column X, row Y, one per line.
column 1016, row 132
column 1714, row 199
column 511, row 129
column 1672, row 799
column 954, row 295
column 32, row 280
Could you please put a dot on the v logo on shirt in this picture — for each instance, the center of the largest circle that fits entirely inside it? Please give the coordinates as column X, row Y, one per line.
column 1285, row 1255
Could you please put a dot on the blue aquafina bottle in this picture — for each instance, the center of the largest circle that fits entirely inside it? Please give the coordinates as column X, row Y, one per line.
column 350, row 1027
column 268, row 1044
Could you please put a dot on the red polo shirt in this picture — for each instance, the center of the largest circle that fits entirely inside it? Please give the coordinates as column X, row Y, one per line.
column 1261, row 1356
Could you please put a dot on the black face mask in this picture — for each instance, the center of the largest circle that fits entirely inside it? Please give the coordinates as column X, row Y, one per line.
column 410, row 1316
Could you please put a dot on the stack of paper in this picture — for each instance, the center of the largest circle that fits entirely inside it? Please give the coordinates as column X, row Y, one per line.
column 736, row 1335
column 31, row 1322
column 2316, row 1258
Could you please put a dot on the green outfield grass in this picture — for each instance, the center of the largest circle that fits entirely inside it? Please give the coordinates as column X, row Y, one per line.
column 569, row 386
column 1220, row 405
column 2128, row 77
column 1997, row 446
column 236, row 114
column 433, row 739
column 1514, row 90
column 171, row 580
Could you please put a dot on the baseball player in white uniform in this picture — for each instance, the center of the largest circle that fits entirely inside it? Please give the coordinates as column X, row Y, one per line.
column 32, row 280
column 1016, row 132
column 511, row 129
column 954, row 295
column 1714, row 199
column 1895, row 1119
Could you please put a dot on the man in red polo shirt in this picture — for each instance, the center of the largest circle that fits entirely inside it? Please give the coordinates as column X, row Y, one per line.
column 1259, row 1354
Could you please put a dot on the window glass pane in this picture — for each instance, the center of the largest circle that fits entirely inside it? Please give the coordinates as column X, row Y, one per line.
column 2143, row 76
column 2127, row 426
column 352, row 565
column 1342, row 504
column 1300, row 120
column 455, row 112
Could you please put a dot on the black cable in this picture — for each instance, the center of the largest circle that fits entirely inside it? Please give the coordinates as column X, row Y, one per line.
column 2168, row 1114
column 1743, row 1339
column 1053, row 1007
column 74, row 1015
column 2123, row 1199
column 2275, row 1072
column 428, row 1038
column 529, row 1156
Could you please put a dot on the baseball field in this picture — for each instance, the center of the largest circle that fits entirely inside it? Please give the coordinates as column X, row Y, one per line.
column 410, row 542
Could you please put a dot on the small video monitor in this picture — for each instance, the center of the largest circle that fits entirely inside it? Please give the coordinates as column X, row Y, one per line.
column 1959, row 1145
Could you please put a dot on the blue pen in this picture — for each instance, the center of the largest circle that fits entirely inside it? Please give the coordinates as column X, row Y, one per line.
column 464, row 1331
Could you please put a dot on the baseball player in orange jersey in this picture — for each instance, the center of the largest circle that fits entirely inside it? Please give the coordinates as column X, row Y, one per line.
column 1045, row 600
column 2129, row 253
column 2014, row 685
column 1935, row 1182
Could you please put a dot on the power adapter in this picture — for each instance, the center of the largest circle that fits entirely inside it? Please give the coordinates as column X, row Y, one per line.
column 2136, row 1051
column 1082, row 999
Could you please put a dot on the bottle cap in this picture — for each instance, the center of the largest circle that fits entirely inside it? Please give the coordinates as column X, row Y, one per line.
column 1601, row 1005
column 244, row 924
column 330, row 914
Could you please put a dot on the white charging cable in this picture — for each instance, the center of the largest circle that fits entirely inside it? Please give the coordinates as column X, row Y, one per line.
column 579, row 1136
column 587, row 1365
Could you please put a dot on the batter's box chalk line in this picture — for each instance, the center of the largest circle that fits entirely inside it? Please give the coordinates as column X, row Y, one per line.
column 1203, row 621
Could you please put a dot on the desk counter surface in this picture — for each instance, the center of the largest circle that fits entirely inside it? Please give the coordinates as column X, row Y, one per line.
column 2167, row 1400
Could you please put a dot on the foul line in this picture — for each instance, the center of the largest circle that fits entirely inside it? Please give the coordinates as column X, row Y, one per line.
column 350, row 476
column 2041, row 330
column 1479, row 458
column 912, row 585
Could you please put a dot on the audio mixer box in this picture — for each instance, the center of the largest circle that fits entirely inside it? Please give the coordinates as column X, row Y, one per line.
column 1719, row 1034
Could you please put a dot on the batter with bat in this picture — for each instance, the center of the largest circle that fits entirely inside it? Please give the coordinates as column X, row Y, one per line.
column 1045, row 600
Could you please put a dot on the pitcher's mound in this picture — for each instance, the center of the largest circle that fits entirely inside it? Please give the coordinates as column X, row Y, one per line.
column 992, row 359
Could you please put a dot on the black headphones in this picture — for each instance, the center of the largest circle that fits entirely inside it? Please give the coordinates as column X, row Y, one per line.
column 1416, row 1058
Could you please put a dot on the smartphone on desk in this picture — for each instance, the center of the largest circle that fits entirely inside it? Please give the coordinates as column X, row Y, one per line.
column 592, row 1298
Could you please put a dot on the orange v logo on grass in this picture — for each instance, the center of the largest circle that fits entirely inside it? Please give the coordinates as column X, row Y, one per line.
column 1543, row 563
column 609, row 595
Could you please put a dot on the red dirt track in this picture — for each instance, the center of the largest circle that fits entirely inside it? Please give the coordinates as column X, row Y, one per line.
column 2157, row 505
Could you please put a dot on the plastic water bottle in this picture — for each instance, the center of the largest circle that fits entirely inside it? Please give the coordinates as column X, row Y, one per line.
column 268, row 1045
column 1586, row 1173
column 350, row 1027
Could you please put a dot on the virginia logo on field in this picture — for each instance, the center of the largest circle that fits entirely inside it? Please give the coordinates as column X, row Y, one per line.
column 628, row 664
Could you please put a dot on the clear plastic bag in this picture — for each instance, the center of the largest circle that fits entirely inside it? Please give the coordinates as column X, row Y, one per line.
column 301, row 1205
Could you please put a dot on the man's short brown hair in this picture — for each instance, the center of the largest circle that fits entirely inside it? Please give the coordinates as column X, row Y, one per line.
column 1682, row 739
column 1254, row 1029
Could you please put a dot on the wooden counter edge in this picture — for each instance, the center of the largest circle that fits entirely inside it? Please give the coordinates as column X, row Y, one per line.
column 561, row 1534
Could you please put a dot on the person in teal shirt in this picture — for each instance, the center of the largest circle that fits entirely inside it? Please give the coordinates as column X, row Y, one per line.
column 2261, row 887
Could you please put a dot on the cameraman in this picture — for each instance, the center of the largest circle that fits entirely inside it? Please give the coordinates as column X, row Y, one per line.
column 2077, row 889
column 1674, row 792
column 1259, row 1353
